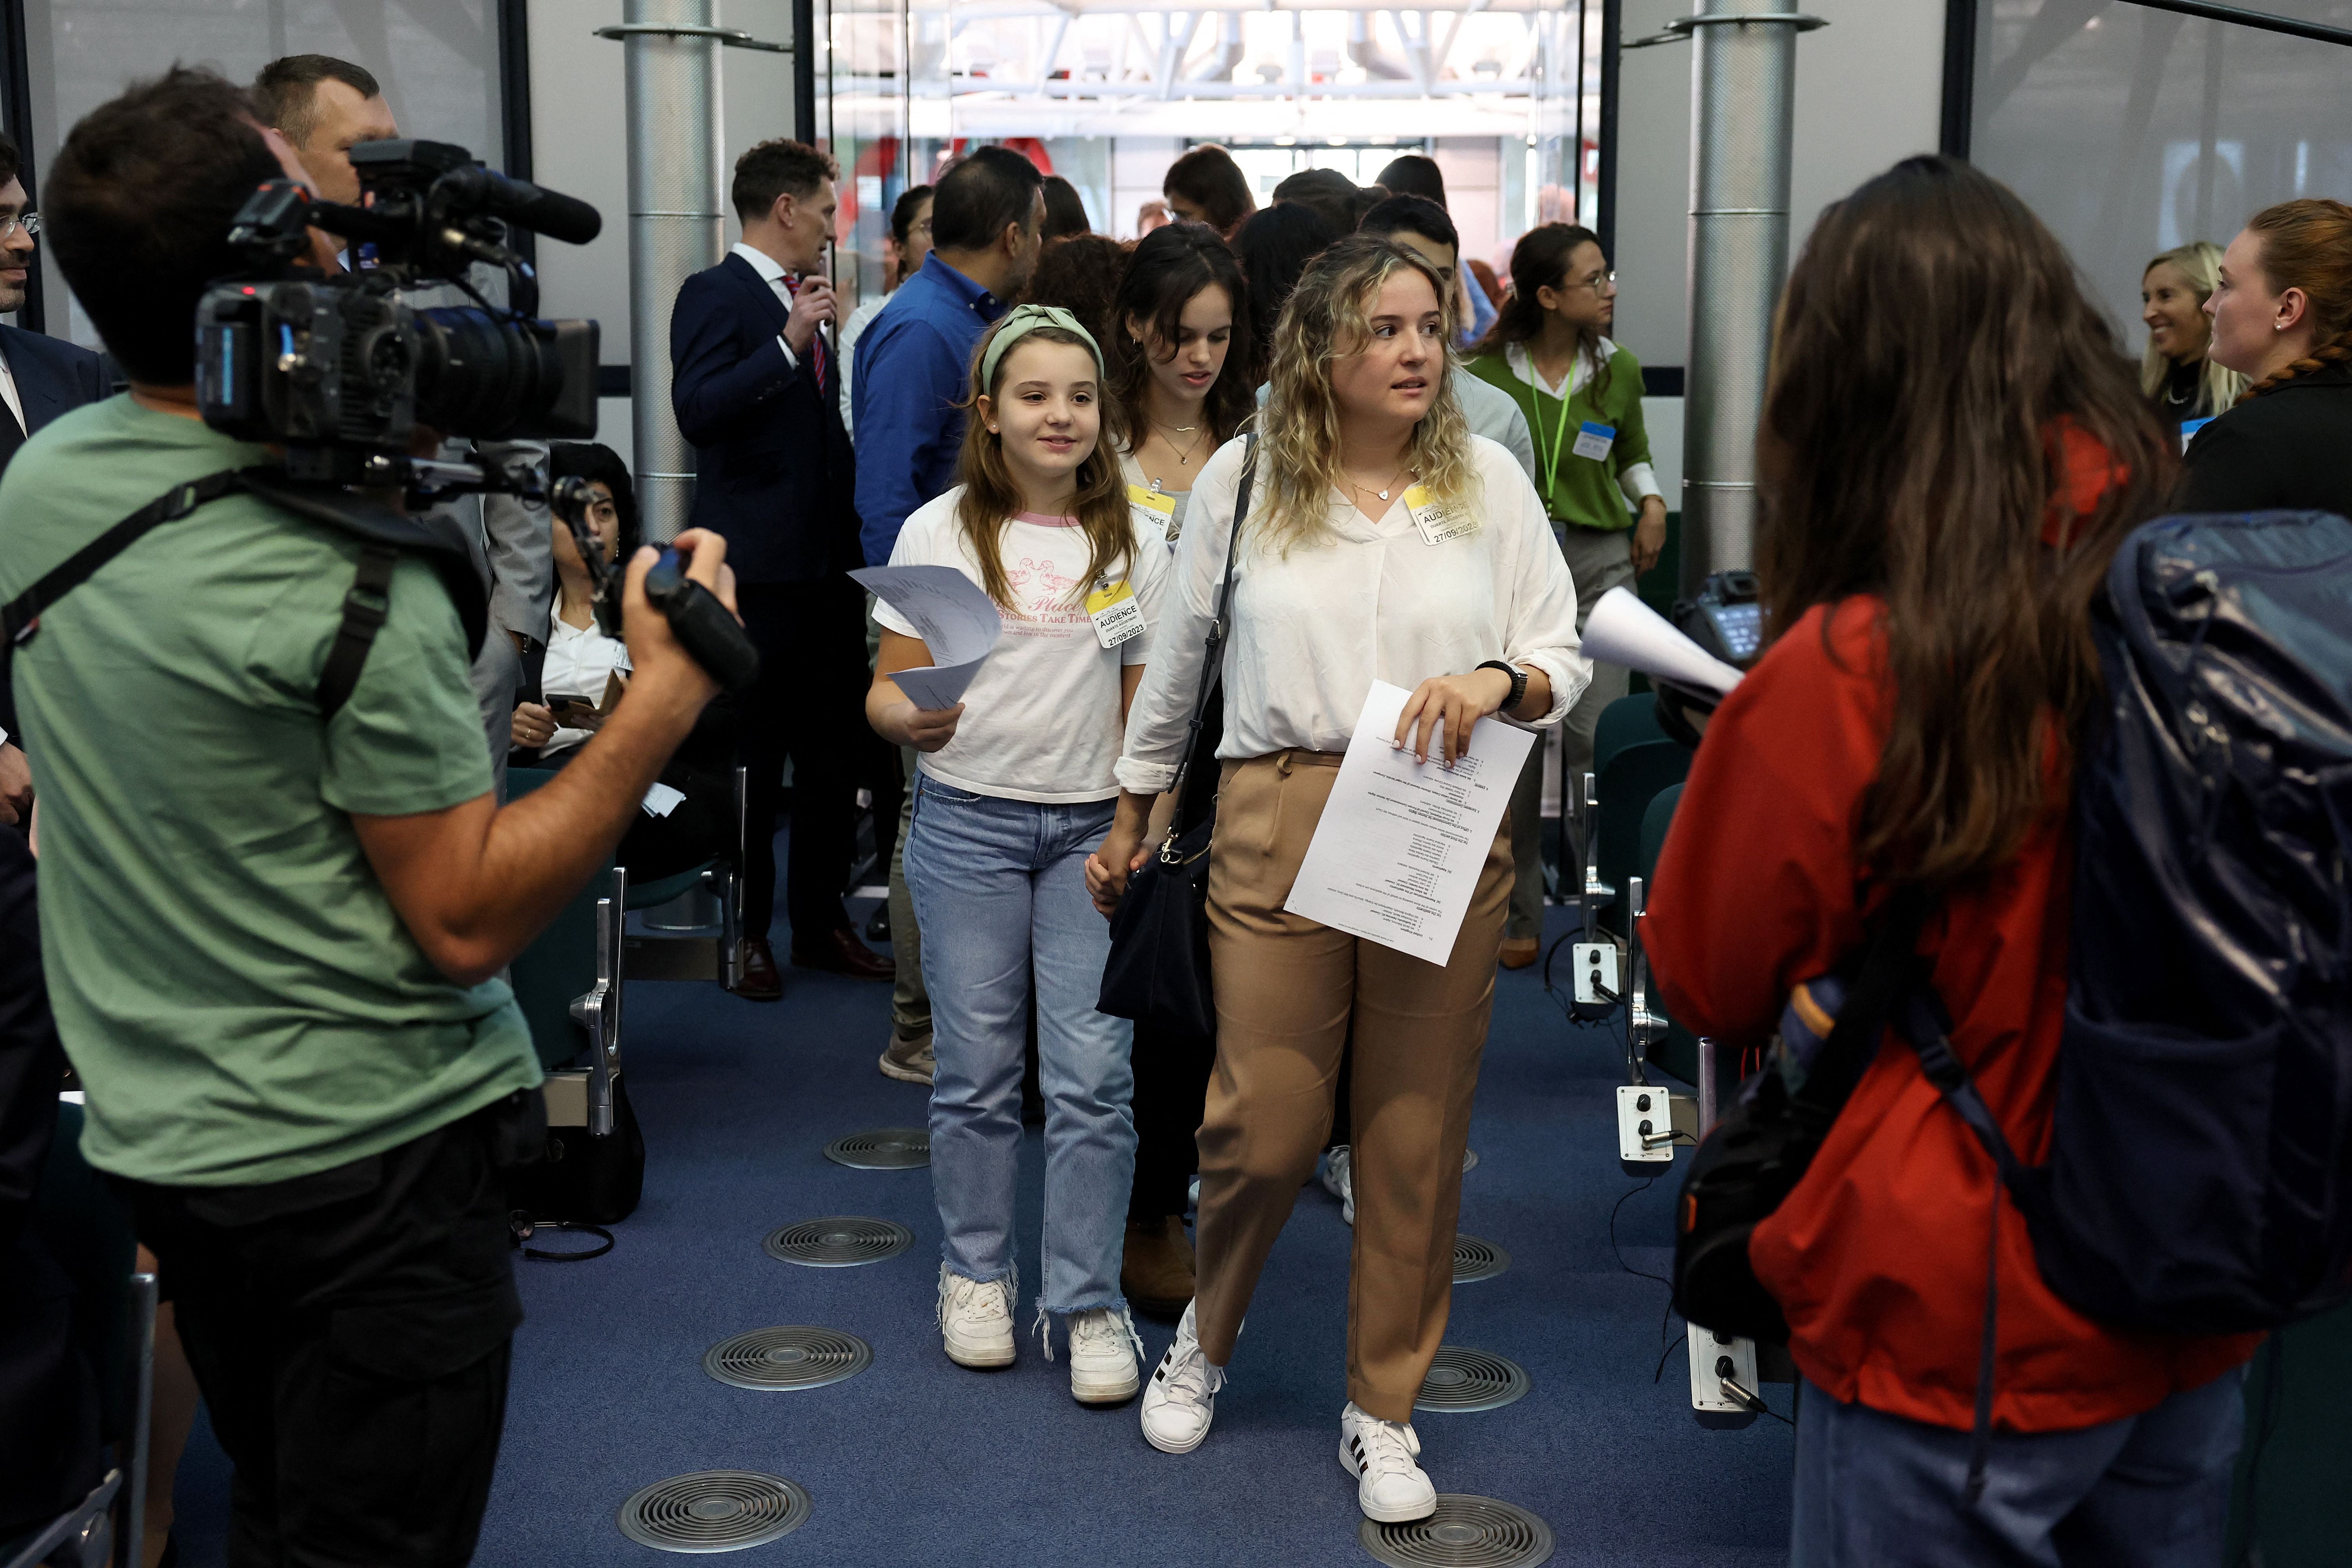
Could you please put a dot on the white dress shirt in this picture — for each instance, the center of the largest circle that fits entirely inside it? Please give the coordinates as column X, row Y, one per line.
column 772, row 272
column 1639, row 481
column 1370, row 601
column 580, row 662
column 8, row 392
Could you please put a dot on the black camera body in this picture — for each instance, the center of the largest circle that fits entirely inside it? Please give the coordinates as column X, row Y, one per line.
column 342, row 372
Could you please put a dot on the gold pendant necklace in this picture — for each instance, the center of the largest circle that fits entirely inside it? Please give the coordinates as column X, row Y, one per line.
column 1184, row 458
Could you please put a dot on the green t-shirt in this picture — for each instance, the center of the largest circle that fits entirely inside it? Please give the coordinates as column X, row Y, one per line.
column 232, row 983
column 1576, row 489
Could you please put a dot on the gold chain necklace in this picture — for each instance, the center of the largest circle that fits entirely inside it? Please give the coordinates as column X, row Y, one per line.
column 1383, row 491
column 1184, row 458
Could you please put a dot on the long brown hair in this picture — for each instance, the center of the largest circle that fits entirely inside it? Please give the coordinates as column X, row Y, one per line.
column 1935, row 351
column 1327, row 317
column 2307, row 245
column 1166, row 269
column 1541, row 261
column 991, row 497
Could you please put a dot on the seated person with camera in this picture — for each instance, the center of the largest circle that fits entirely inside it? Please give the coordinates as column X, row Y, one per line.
column 568, row 671
column 274, row 925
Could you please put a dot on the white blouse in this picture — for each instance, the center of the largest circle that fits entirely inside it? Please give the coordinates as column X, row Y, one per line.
column 1373, row 601
column 580, row 661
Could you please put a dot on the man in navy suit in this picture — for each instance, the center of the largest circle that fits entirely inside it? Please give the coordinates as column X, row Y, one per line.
column 40, row 378
column 757, row 389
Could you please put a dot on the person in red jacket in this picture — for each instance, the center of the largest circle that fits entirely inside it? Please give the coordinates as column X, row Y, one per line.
column 1952, row 447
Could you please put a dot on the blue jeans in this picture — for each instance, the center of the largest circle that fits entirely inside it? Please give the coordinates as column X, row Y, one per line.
column 1000, row 892
column 2151, row 1490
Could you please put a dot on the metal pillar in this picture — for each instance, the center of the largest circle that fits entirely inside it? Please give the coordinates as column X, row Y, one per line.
column 1743, row 81
column 676, row 226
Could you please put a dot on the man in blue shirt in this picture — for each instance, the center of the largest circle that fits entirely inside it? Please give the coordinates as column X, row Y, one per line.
column 914, row 366
column 914, row 361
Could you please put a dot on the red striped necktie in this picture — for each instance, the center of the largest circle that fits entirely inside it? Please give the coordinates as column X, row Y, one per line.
column 816, row 340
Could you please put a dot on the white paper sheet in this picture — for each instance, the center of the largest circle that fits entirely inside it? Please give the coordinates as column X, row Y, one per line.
column 1623, row 630
column 1397, row 855
column 957, row 621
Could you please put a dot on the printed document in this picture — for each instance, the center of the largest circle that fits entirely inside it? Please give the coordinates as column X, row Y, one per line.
column 1397, row 855
column 958, row 622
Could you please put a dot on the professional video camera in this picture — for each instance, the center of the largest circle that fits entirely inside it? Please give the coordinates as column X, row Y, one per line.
column 338, row 371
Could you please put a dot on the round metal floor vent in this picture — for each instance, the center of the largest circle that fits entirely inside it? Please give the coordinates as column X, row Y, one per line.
column 1462, row 1380
column 793, row 1356
column 1465, row 1533
column 715, row 1511
column 884, row 1149
column 1469, row 1161
column 1475, row 1258
column 843, row 1241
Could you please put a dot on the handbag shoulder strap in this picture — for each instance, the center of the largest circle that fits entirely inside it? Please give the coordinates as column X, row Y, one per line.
column 1215, row 641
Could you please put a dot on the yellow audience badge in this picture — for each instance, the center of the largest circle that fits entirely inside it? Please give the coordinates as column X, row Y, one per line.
column 1438, row 521
column 1112, row 607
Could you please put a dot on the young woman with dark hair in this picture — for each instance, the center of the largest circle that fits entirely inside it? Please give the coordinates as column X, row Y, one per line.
column 1275, row 247
column 1581, row 394
column 910, row 241
column 1342, row 579
column 1183, row 323
column 1079, row 273
column 1015, row 783
column 2283, row 315
column 1205, row 186
column 1065, row 210
column 1953, row 445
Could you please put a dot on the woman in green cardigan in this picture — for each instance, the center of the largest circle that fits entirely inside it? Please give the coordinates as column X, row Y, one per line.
column 1583, row 396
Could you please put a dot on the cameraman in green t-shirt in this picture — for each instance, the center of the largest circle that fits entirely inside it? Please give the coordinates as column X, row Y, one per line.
column 273, row 934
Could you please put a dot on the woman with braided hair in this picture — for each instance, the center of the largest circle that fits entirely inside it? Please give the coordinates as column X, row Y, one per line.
column 2282, row 314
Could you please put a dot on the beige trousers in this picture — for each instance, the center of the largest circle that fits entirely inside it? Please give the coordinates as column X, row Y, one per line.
column 1287, row 990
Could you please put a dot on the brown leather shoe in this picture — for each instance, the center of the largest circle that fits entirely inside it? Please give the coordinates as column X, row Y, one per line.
column 1156, row 1275
column 840, row 951
column 1519, row 951
column 755, row 971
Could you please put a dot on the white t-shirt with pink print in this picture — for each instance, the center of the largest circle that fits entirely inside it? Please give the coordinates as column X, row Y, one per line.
column 1041, row 720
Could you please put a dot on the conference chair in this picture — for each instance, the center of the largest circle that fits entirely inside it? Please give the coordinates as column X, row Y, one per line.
column 1663, row 1043
column 1632, row 759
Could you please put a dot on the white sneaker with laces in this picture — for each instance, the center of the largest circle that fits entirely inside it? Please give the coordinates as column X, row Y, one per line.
column 1181, row 1396
column 976, row 1319
column 1104, row 1356
column 1390, row 1486
column 1338, row 1180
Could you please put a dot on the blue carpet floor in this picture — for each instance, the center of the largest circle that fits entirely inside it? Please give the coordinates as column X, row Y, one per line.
column 916, row 1461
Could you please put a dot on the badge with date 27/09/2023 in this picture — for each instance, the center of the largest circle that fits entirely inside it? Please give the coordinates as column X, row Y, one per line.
column 1438, row 521
column 1112, row 607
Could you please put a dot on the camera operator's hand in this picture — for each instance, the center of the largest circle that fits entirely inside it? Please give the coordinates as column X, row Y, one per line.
column 666, row 673
column 815, row 303
column 533, row 725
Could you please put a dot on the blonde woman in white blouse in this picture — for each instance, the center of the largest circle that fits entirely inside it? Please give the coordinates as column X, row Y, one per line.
column 1459, row 595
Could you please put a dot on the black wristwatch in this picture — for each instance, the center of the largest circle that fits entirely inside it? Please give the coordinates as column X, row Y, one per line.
column 1519, row 682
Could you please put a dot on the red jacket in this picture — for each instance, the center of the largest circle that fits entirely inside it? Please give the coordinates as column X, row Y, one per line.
column 1878, row 1256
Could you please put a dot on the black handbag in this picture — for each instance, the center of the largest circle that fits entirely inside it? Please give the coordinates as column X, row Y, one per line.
column 1750, row 1162
column 1157, row 972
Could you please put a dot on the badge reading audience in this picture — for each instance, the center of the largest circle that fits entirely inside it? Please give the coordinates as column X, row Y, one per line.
column 1438, row 521
column 1593, row 439
column 1116, row 615
column 1153, row 509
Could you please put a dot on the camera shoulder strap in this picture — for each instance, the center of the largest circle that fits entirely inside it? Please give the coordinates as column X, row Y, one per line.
column 365, row 606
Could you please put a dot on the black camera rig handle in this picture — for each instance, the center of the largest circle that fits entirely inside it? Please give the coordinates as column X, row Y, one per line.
column 705, row 627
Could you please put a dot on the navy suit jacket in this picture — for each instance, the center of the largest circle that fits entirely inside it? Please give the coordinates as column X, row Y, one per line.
column 775, row 474
column 53, row 377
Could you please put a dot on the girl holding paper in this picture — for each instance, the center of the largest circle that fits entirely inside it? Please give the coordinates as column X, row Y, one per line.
column 1014, row 785
column 1384, row 543
column 1583, row 396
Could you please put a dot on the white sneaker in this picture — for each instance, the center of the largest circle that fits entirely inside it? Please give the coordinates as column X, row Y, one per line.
column 1182, row 1394
column 1338, row 1180
column 976, row 1319
column 1390, row 1487
column 1104, row 1356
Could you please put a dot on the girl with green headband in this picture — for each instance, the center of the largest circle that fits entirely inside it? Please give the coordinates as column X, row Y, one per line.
column 1015, row 786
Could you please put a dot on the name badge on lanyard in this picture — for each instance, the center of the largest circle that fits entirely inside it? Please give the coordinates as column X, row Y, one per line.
column 1112, row 607
column 1593, row 440
column 1153, row 509
column 1438, row 521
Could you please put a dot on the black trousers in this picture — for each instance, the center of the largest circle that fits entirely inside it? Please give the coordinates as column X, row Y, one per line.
column 810, row 705
column 350, row 1331
column 1172, row 1088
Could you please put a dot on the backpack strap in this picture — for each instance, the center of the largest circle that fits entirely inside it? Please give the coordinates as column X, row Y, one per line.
column 1890, row 967
column 21, row 616
column 365, row 604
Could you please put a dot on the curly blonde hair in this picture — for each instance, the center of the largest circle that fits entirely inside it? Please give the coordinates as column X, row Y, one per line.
column 1326, row 318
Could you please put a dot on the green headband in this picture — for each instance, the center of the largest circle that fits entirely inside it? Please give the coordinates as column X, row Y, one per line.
column 1023, row 319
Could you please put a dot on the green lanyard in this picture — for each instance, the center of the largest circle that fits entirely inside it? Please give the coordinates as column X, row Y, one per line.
column 1549, row 457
